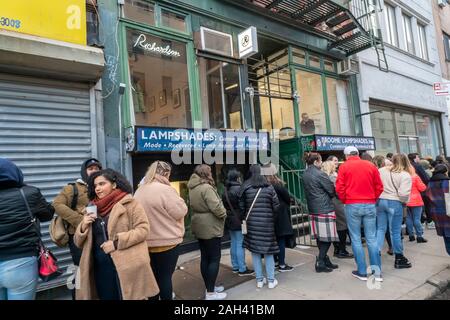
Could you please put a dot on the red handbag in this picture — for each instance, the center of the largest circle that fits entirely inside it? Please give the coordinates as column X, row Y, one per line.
column 47, row 263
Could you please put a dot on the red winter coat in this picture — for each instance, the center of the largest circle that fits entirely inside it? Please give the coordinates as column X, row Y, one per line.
column 415, row 200
column 358, row 182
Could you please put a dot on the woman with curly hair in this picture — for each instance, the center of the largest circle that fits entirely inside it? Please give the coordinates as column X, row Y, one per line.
column 115, row 263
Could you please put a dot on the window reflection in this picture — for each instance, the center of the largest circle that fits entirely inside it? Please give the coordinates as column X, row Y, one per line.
column 139, row 10
column 339, row 107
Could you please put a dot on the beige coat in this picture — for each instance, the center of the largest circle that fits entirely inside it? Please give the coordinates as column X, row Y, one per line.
column 128, row 224
column 165, row 210
column 63, row 201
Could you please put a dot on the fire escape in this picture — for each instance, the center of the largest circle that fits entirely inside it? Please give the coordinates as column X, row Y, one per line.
column 350, row 26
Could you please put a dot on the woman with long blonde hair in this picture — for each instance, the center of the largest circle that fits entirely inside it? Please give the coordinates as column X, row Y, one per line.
column 397, row 183
column 165, row 211
column 340, row 249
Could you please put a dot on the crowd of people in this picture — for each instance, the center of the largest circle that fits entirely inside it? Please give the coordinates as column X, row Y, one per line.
column 126, row 245
column 371, row 199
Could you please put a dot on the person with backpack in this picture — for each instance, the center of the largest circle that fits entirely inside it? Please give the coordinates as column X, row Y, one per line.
column 19, row 237
column 230, row 199
column 69, row 206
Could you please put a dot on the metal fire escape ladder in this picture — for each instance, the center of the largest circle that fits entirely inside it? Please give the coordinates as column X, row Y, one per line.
column 334, row 19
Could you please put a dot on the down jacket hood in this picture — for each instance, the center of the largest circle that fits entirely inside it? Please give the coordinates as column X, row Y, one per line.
column 195, row 181
column 10, row 175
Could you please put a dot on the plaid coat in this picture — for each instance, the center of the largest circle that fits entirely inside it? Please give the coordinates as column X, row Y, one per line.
column 435, row 194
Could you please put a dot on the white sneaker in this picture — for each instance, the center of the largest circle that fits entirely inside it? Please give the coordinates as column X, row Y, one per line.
column 173, row 295
column 219, row 289
column 431, row 225
column 260, row 284
column 273, row 284
column 215, row 296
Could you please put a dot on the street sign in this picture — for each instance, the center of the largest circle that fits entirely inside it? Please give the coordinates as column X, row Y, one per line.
column 248, row 43
column 441, row 88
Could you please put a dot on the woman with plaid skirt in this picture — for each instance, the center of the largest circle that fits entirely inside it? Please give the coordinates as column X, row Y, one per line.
column 320, row 192
column 437, row 187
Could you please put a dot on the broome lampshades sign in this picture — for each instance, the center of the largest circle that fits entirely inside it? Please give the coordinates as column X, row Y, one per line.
column 63, row 20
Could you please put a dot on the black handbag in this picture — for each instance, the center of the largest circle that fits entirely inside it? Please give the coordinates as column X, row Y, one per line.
column 291, row 241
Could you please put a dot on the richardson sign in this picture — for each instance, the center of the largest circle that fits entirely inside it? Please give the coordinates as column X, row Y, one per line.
column 63, row 20
column 151, row 46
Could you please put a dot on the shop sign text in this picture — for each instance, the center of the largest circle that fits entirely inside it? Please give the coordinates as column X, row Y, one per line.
column 338, row 143
column 141, row 42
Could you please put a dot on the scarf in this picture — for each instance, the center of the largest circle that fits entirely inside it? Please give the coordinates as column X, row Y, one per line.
column 105, row 205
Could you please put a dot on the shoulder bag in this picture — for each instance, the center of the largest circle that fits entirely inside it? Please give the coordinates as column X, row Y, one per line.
column 244, row 222
column 47, row 262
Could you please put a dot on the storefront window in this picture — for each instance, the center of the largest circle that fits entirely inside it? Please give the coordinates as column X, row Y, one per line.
column 383, row 130
column 429, row 135
column 141, row 11
column 159, row 81
column 329, row 65
column 173, row 20
column 405, row 124
column 314, row 61
column 311, row 106
column 277, row 114
column 221, row 94
column 298, row 56
column 339, row 107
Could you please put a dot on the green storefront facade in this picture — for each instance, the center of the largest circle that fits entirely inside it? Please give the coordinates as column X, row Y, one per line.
column 178, row 62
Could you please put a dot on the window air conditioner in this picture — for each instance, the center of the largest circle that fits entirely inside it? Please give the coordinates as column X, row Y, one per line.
column 442, row 3
column 216, row 42
column 348, row 67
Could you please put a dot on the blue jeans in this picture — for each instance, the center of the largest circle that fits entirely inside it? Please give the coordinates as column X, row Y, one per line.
column 237, row 250
column 447, row 244
column 390, row 212
column 18, row 279
column 413, row 221
column 364, row 214
column 270, row 266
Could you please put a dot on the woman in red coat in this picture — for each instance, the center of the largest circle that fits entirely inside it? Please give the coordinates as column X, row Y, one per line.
column 415, row 206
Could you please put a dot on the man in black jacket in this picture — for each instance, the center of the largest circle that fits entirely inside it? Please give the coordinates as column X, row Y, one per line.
column 19, row 238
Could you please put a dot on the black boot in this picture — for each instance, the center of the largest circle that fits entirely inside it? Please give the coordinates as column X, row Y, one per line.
column 336, row 249
column 401, row 262
column 321, row 267
column 421, row 240
column 344, row 254
column 329, row 264
column 412, row 238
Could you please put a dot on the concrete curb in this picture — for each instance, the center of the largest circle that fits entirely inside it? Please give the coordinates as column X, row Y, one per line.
column 433, row 287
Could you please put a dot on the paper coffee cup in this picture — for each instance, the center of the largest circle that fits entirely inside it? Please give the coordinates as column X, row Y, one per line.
column 92, row 210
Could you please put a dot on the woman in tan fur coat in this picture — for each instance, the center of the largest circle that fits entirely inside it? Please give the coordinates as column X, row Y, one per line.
column 115, row 263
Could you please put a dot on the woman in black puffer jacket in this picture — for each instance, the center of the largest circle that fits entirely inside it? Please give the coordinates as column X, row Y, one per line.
column 19, row 240
column 260, row 238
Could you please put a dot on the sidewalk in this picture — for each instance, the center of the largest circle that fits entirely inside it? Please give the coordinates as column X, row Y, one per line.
column 429, row 276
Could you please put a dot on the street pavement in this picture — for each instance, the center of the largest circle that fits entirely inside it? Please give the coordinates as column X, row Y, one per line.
column 429, row 275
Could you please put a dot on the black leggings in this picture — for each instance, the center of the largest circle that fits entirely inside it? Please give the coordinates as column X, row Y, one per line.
column 163, row 266
column 342, row 244
column 210, row 261
column 75, row 252
column 323, row 249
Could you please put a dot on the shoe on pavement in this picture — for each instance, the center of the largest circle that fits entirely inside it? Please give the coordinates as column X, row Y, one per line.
column 285, row 268
column 329, row 264
column 215, row 296
column 273, row 284
column 321, row 267
column 421, row 240
column 401, row 262
column 431, row 225
column 344, row 255
column 362, row 277
column 260, row 284
column 247, row 272
column 173, row 295
column 235, row 270
column 390, row 252
column 412, row 238
column 219, row 289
